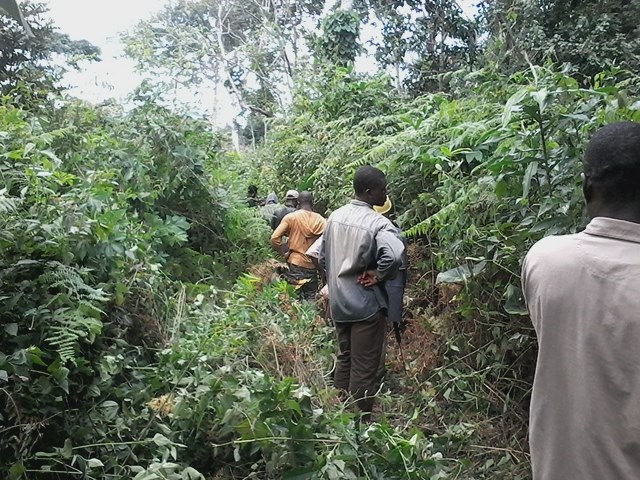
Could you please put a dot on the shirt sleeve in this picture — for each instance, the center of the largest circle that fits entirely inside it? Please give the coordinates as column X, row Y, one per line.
column 278, row 233
column 274, row 219
column 523, row 280
column 322, row 259
column 314, row 249
column 320, row 226
column 389, row 253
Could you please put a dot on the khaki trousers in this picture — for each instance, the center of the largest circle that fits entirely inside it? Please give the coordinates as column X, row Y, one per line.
column 360, row 349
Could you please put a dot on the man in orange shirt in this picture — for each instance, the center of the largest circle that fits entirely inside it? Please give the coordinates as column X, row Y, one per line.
column 302, row 227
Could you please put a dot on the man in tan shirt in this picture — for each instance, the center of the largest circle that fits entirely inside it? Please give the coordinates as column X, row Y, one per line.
column 583, row 296
column 302, row 227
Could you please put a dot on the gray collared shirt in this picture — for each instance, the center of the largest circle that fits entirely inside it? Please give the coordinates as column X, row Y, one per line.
column 356, row 239
column 583, row 294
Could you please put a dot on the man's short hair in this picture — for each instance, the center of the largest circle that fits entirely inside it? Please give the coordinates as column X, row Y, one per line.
column 367, row 177
column 612, row 162
column 305, row 198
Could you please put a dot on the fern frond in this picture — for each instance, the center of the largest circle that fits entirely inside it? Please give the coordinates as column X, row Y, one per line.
column 69, row 279
column 431, row 222
column 78, row 319
column 71, row 326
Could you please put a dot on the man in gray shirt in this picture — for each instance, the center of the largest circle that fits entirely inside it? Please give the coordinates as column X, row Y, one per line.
column 359, row 251
column 582, row 293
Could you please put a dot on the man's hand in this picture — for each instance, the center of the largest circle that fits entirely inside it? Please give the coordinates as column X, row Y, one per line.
column 368, row 278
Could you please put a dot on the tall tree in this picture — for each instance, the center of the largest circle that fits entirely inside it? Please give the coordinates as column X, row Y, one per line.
column 250, row 46
column 421, row 39
column 12, row 10
column 338, row 43
column 26, row 53
column 592, row 35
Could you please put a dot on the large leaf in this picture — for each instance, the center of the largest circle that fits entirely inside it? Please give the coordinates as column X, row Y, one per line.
column 460, row 274
column 532, row 169
column 514, row 302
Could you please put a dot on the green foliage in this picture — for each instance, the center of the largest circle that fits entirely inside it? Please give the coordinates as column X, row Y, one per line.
column 338, row 44
column 28, row 42
column 332, row 117
column 425, row 39
column 77, row 316
column 100, row 214
column 590, row 35
column 248, row 46
column 478, row 174
column 129, row 350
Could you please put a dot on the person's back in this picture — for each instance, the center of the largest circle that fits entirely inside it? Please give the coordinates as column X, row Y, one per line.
column 252, row 196
column 360, row 251
column 279, row 214
column 350, row 249
column 585, row 307
column 304, row 228
column 271, row 206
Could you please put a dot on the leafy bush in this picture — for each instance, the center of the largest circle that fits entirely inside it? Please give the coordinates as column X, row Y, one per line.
column 101, row 218
column 478, row 175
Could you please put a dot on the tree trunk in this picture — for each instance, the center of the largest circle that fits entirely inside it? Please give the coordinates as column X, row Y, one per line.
column 233, row 89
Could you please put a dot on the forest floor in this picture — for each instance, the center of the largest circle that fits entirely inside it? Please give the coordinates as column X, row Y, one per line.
column 411, row 395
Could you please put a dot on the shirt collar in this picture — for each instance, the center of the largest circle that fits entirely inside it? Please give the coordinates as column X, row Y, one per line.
column 613, row 228
column 360, row 203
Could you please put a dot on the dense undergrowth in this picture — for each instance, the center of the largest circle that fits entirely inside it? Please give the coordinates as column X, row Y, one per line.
column 132, row 343
column 477, row 174
column 109, row 222
column 133, row 346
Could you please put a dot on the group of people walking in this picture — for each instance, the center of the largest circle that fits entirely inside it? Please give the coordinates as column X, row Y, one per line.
column 580, row 291
column 361, row 257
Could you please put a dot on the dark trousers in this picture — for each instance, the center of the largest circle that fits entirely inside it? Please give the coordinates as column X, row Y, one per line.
column 360, row 348
column 305, row 280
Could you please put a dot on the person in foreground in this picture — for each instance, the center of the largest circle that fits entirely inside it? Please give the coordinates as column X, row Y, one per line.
column 359, row 251
column 583, row 297
column 303, row 227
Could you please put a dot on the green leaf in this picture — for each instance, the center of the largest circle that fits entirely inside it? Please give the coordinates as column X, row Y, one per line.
column 501, row 189
column 541, row 98
column 16, row 471
column 460, row 274
column 161, row 441
column 146, row 476
column 67, row 450
column 191, row 473
column 110, row 409
column 94, row 463
column 514, row 304
column 11, row 329
column 513, row 105
column 531, row 170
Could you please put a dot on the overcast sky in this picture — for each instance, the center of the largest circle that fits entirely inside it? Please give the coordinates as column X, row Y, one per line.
column 100, row 22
